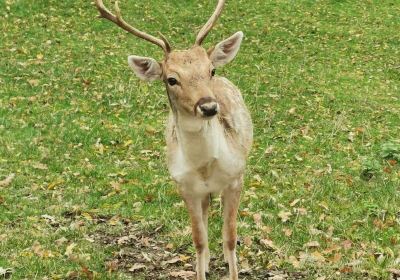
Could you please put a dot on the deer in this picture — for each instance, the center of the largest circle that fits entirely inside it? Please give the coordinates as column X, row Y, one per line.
column 209, row 131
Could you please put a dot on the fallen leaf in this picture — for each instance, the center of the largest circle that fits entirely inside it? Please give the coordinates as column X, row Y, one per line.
column 284, row 215
column 112, row 265
column 257, row 219
column 3, row 237
column 39, row 251
column 123, row 240
column 87, row 272
column 50, row 219
column 292, row 111
column 294, row 202
column 137, row 266
column 269, row 150
column 247, row 241
column 318, row 257
column 336, row 258
column 395, row 272
column 268, row 243
column 294, row 261
column 346, row 269
column 182, row 274
column 312, row 244
column 287, row 231
column 40, row 166
column 33, row 82
column 171, row 261
column 61, row 241
column 7, row 181
column 69, row 249
column 347, row 244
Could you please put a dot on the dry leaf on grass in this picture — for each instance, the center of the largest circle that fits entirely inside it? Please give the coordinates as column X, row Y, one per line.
column 171, row 261
column 183, row 274
column 137, row 266
column 69, row 249
column 7, row 181
column 284, row 215
column 312, row 244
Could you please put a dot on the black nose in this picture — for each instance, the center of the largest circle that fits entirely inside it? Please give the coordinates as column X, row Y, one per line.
column 209, row 109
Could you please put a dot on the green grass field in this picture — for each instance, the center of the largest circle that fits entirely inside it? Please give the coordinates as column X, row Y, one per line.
column 91, row 197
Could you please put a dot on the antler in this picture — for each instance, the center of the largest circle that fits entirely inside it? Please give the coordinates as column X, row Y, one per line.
column 210, row 23
column 118, row 20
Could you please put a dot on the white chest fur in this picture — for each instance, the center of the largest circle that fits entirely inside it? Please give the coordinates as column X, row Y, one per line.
column 204, row 160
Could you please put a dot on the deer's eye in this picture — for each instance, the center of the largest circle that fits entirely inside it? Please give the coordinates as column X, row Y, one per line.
column 172, row 81
column 213, row 73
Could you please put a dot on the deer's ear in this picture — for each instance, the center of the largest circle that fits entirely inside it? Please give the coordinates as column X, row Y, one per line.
column 145, row 68
column 225, row 51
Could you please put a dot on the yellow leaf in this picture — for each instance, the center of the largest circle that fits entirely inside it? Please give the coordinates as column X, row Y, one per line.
column 87, row 216
column 69, row 249
column 128, row 143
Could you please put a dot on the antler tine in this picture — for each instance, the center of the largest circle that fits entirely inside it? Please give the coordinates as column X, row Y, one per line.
column 118, row 20
column 210, row 23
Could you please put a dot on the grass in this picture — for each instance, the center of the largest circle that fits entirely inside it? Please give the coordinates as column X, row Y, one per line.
column 84, row 138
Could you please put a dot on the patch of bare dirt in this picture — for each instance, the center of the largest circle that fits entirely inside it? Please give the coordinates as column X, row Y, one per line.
column 144, row 254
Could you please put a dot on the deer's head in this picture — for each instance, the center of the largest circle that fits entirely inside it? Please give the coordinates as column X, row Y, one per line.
column 188, row 74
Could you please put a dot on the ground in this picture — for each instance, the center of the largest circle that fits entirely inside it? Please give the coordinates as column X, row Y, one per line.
column 84, row 188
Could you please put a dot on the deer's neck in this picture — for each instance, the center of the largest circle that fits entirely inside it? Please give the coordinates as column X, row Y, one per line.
column 200, row 141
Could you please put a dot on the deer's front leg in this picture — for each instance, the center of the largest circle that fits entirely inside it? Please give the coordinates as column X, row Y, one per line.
column 230, row 200
column 199, row 233
column 205, row 203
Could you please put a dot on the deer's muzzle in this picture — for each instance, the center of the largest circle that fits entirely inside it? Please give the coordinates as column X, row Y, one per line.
column 206, row 107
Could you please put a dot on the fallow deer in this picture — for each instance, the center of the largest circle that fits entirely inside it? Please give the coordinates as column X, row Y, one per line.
column 209, row 131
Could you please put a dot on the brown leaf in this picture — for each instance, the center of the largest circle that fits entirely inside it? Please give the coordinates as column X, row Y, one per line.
column 61, row 241
column 87, row 272
column 347, row 244
column 3, row 237
column 318, row 257
column 247, row 241
column 293, row 261
column 312, row 244
column 336, row 258
column 257, row 219
column 171, row 261
column 268, row 243
column 33, row 82
column 395, row 272
column 346, row 269
column 137, row 266
column 7, row 181
column 287, row 231
column 182, row 274
column 112, row 265
column 284, row 215
column 269, row 150
column 294, row 202
column 41, row 166
column 69, row 249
